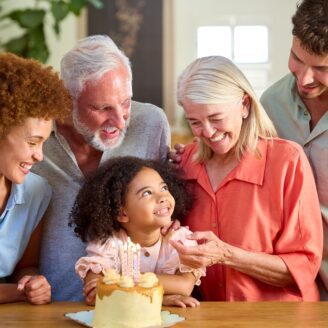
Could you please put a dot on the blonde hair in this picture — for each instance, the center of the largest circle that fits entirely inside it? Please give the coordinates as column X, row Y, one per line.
column 216, row 80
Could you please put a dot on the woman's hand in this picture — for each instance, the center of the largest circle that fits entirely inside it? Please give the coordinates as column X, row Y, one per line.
column 180, row 300
column 175, row 155
column 37, row 289
column 209, row 251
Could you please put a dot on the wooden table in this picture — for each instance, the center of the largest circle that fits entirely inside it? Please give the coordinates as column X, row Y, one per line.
column 209, row 314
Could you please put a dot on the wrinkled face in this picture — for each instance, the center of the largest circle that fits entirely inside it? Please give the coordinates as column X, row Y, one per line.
column 22, row 147
column 218, row 125
column 310, row 71
column 148, row 203
column 102, row 111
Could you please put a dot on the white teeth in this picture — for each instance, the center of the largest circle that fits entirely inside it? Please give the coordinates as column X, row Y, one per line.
column 218, row 138
column 110, row 129
column 25, row 166
column 162, row 211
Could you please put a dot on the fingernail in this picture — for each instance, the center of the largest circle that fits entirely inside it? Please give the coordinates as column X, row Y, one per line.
column 20, row 287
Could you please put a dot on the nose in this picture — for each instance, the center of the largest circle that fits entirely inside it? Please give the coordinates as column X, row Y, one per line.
column 38, row 154
column 208, row 130
column 306, row 76
column 117, row 118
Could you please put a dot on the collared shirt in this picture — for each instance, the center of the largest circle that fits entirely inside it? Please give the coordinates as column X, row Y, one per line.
column 25, row 207
column 266, row 205
column 292, row 121
column 148, row 136
column 161, row 258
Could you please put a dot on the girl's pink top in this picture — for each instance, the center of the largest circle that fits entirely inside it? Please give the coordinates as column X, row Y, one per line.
column 160, row 258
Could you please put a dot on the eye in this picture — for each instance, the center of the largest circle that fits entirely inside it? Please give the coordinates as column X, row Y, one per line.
column 194, row 123
column 31, row 143
column 146, row 193
column 165, row 188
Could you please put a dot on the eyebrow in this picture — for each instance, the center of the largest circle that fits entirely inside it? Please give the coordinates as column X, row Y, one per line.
column 298, row 58
column 147, row 187
column 35, row 137
column 210, row 116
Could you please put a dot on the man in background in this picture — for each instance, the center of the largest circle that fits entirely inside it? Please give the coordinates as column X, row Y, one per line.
column 298, row 103
column 104, row 123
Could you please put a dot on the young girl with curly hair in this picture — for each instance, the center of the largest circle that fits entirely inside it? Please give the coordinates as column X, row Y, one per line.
column 135, row 198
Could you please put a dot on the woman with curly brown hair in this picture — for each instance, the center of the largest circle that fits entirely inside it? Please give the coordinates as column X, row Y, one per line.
column 135, row 198
column 30, row 97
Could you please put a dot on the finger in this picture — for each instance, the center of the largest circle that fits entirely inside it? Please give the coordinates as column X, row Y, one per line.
column 36, row 282
column 90, row 285
column 180, row 148
column 187, row 250
column 203, row 235
column 41, row 299
column 22, row 282
column 175, row 225
column 91, row 297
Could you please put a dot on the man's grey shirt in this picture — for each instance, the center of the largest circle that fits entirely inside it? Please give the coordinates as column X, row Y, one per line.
column 148, row 136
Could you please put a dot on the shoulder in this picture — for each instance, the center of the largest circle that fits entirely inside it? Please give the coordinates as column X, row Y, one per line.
column 36, row 183
column 141, row 110
column 285, row 84
column 284, row 151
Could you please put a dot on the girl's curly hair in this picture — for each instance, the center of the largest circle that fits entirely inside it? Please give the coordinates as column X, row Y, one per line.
column 97, row 205
column 29, row 89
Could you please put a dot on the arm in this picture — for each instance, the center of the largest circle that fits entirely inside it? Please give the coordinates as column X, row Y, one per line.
column 270, row 269
column 89, row 289
column 28, row 285
column 9, row 293
column 181, row 284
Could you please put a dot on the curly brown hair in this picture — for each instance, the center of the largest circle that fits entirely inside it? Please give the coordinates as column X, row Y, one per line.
column 310, row 26
column 97, row 206
column 29, row 89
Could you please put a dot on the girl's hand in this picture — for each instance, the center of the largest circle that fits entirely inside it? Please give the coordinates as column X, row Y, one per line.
column 209, row 251
column 175, row 225
column 37, row 290
column 180, row 300
column 89, row 291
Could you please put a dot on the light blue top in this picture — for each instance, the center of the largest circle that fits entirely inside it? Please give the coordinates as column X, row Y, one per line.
column 25, row 207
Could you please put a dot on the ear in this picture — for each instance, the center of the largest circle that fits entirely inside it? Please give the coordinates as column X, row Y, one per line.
column 246, row 105
column 123, row 218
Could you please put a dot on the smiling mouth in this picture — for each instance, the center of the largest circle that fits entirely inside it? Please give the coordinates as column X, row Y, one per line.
column 26, row 166
column 219, row 137
column 163, row 211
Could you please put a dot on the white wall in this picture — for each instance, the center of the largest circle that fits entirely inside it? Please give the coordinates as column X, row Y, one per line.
column 183, row 17
column 72, row 29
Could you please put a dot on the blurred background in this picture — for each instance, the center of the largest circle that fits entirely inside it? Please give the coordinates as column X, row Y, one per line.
column 161, row 37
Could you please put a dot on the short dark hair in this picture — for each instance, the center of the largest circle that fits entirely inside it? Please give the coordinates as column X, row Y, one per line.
column 310, row 26
column 97, row 205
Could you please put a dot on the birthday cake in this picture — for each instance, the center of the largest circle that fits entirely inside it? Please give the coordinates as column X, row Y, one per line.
column 120, row 302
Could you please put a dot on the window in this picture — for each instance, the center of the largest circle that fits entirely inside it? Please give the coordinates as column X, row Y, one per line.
column 241, row 44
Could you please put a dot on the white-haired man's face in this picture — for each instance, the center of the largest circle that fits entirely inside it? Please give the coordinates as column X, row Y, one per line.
column 102, row 112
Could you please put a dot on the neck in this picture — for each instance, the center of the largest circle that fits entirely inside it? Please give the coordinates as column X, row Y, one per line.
column 317, row 107
column 145, row 239
column 5, row 187
column 87, row 157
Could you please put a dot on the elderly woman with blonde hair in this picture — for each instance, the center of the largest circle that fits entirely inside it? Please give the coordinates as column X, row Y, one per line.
column 256, row 214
